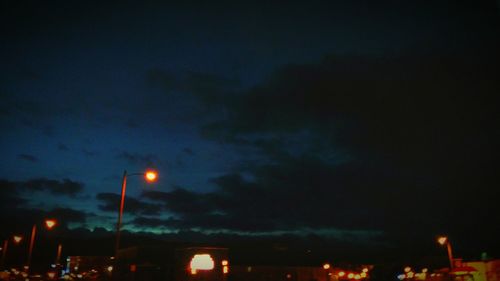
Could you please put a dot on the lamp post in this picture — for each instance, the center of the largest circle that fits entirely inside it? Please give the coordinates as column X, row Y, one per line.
column 49, row 223
column 443, row 240
column 326, row 267
column 150, row 176
column 17, row 239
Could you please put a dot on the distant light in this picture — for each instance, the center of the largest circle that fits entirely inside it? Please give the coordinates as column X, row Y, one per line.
column 407, row 269
column 53, row 265
column 357, row 276
column 424, row 270
column 442, row 240
column 151, row 175
column 401, row 276
column 79, row 276
column 50, row 223
column 410, row 274
column 341, row 274
column 365, row 270
column 350, row 275
column 363, row 274
column 225, row 269
column 326, row 266
column 249, row 269
column 224, row 262
column 201, row 262
column 110, row 268
column 17, row 238
column 51, row 275
column 288, row 276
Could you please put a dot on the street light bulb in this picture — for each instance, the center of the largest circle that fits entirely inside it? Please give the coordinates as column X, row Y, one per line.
column 442, row 240
column 151, row 176
column 341, row 274
column 50, row 223
column 326, row 266
column 17, row 238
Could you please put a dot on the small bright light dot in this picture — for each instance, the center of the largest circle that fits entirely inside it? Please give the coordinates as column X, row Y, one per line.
column 401, row 276
column 151, row 176
column 50, row 223
column 341, row 274
column 350, row 275
column 110, row 268
column 224, row 262
column 424, row 270
column 326, row 266
column 17, row 238
column 407, row 269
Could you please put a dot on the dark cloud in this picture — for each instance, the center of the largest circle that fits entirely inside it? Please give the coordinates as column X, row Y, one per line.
column 188, row 151
column 28, row 157
column 68, row 215
column 62, row 147
column 65, row 187
column 89, row 153
column 139, row 159
column 110, row 202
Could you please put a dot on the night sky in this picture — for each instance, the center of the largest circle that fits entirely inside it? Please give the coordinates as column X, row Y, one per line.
column 365, row 121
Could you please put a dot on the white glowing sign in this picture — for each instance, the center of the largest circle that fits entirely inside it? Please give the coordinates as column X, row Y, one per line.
column 201, row 262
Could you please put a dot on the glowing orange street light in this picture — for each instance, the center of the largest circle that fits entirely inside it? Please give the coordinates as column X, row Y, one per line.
column 443, row 240
column 150, row 176
column 350, row 275
column 50, row 223
column 326, row 266
column 341, row 274
column 17, row 238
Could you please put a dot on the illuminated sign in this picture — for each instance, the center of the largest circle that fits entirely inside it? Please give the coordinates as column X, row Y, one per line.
column 201, row 262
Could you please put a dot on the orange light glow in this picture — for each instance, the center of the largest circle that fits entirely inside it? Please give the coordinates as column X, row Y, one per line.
column 151, row 176
column 51, row 275
column 225, row 269
column 224, row 262
column 350, row 275
column 341, row 274
column 17, row 238
column 442, row 240
column 365, row 270
column 410, row 274
column 357, row 276
column 363, row 274
column 50, row 223
column 201, row 262
column 326, row 266
column 407, row 269
column 424, row 270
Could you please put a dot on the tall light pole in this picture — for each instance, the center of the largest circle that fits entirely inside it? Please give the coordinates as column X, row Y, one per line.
column 17, row 239
column 443, row 240
column 326, row 267
column 150, row 176
column 49, row 223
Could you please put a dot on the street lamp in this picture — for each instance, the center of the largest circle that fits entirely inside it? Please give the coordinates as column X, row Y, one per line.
column 149, row 176
column 17, row 239
column 49, row 224
column 326, row 267
column 443, row 240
